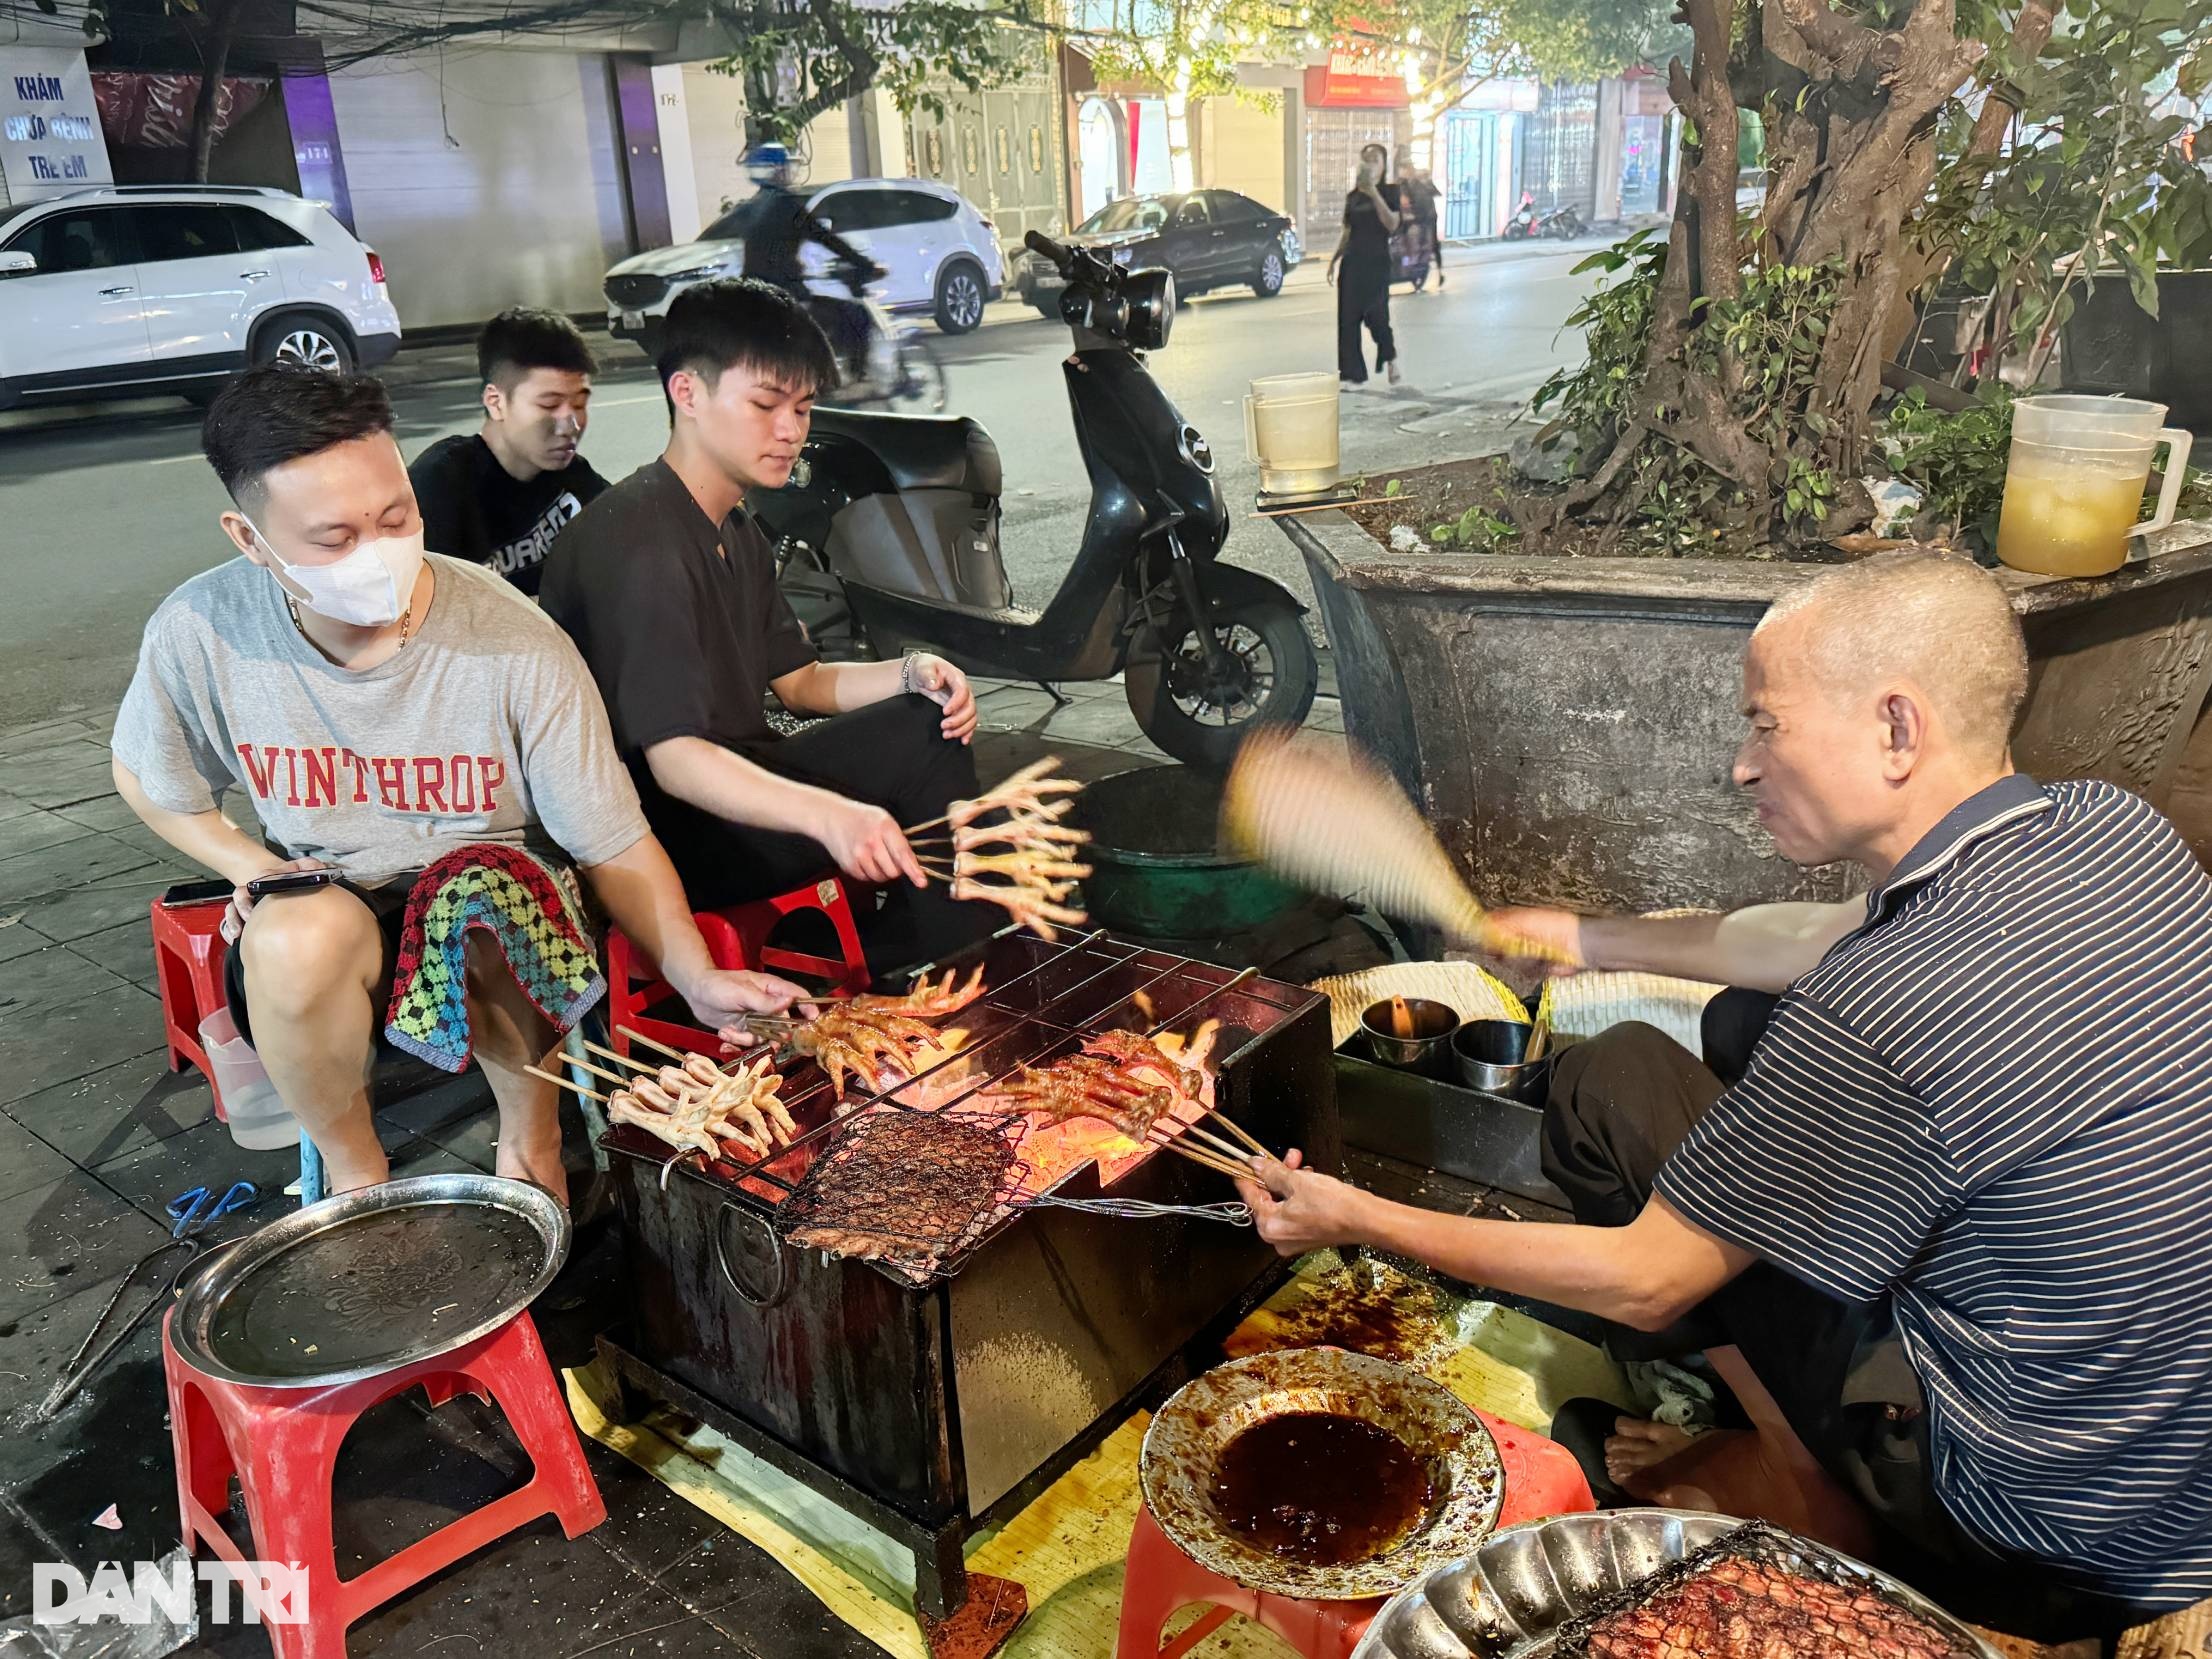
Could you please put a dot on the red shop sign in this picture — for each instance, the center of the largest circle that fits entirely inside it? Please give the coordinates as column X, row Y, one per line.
column 1356, row 79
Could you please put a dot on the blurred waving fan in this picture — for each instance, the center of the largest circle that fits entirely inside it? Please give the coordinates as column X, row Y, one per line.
column 1339, row 825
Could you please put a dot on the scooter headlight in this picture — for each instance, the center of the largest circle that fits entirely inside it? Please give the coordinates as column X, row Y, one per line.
column 1150, row 297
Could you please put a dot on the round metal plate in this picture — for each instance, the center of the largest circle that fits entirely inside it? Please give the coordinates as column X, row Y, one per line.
column 1185, row 1442
column 373, row 1280
column 1509, row 1598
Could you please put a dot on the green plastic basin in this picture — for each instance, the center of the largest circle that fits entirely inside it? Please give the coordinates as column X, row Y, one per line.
column 1157, row 869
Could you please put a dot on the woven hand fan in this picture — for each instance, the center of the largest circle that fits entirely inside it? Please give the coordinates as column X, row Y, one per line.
column 1337, row 824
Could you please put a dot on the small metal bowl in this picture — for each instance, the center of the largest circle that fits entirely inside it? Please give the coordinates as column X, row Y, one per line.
column 1486, row 1054
column 1424, row 1051
column 1184, row 1445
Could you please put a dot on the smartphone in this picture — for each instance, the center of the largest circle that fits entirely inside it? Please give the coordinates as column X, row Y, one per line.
column 289, row 881
column 196, row 892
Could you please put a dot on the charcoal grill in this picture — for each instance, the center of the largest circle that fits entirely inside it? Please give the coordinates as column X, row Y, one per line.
column 935, row 1400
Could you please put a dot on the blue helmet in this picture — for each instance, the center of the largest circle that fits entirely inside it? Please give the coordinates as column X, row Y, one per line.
column 767, row 161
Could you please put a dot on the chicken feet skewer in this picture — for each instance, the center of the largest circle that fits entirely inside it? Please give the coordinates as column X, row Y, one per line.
column 845, row 1041
column 746, row 1094
column 927, row 1000
column 1021, row 829
column 1024, row 866
column 1139, row 1056
column 1027, row 791
column 1040, row 915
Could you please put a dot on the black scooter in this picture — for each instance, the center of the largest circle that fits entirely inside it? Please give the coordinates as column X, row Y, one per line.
column 887, row 538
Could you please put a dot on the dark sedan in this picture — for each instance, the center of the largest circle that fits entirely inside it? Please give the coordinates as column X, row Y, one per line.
column 1208, row 238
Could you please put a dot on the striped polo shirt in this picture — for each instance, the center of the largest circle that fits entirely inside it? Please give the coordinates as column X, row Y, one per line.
column 1993, row 1102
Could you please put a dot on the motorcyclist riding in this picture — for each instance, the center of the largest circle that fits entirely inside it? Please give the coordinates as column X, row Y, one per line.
column 776, row 225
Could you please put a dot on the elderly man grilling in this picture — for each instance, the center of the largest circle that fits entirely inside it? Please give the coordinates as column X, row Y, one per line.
column 1949, row 1235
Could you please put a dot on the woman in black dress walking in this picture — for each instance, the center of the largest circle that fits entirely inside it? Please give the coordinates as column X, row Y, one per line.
column 1363, row 283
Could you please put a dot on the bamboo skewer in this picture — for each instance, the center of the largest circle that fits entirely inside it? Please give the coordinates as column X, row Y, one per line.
column 1212, row 1143
column 1322, row 507
column 614, row 1077
column 620, row 1058
column 1238, row 1130
column 636, row 1036
column 1205, row 1159
column 566, row 1083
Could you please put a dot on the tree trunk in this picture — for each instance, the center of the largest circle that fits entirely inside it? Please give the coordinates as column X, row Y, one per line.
column 222, row 27
column 2031, row 32
column 1851, row 119
column 1182, row 171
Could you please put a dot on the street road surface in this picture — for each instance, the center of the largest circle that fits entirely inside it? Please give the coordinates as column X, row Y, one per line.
column 105, row 509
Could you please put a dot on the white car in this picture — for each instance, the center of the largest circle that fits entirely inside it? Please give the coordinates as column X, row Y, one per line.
column 942, row 255
column 130, row 289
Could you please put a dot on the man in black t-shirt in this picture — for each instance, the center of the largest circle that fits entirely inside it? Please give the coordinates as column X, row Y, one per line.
column 499, row 498
column 669, row 591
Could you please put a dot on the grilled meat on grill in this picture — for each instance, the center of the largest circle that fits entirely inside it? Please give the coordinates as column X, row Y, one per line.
column 926, row 1000
column 849, row 1041
column 900, row 1187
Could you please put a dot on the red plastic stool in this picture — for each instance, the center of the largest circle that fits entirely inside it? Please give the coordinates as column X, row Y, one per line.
column 283, row 1443
column 188, row 959
column 736, row 938
column 1541, row 1478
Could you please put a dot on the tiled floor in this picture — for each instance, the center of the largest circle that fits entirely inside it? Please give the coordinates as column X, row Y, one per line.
column 96, row 1135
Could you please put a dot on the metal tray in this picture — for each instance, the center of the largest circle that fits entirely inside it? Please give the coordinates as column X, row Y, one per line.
column 1510, row 1597
column 372, row 1280
column 1185, row 1441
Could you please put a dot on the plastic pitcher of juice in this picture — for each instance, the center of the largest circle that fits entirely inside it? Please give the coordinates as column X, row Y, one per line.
column 1290, row 429
column 2074, row 482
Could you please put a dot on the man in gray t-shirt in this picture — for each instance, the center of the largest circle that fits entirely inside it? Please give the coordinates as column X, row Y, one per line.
column 379, row 707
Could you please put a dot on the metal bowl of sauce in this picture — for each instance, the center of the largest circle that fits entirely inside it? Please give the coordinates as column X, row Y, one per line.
column 1320, row 1473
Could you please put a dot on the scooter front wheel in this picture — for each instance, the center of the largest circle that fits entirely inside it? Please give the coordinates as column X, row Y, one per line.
column 1200, row 712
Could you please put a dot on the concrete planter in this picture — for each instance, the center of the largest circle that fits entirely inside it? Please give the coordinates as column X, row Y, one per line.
column 1569, row 724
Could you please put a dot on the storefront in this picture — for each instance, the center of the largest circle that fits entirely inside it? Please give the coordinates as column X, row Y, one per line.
column 485, row 178
column 1650, row 129
column 1002, row 149
column 1478, row 157
column 1558, row 144
column 1355, row 99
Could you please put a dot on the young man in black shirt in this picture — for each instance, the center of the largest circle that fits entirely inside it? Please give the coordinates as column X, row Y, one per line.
column 499, row 498
column 669, row 590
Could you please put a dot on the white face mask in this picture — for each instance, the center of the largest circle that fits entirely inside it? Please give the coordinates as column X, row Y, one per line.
column 368, row 588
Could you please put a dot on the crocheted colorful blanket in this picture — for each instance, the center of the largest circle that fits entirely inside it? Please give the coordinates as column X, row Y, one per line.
column 531, row 913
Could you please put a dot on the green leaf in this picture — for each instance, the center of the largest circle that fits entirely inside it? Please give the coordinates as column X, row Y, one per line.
column 2194, row 75
column 1397, row 486
column 2143, row 282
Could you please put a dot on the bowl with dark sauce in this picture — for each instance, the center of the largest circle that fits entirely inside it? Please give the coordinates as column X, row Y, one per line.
column 1320, row 1473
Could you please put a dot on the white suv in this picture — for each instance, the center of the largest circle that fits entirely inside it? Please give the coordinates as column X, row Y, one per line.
column 131, row 289
column 942, row 255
